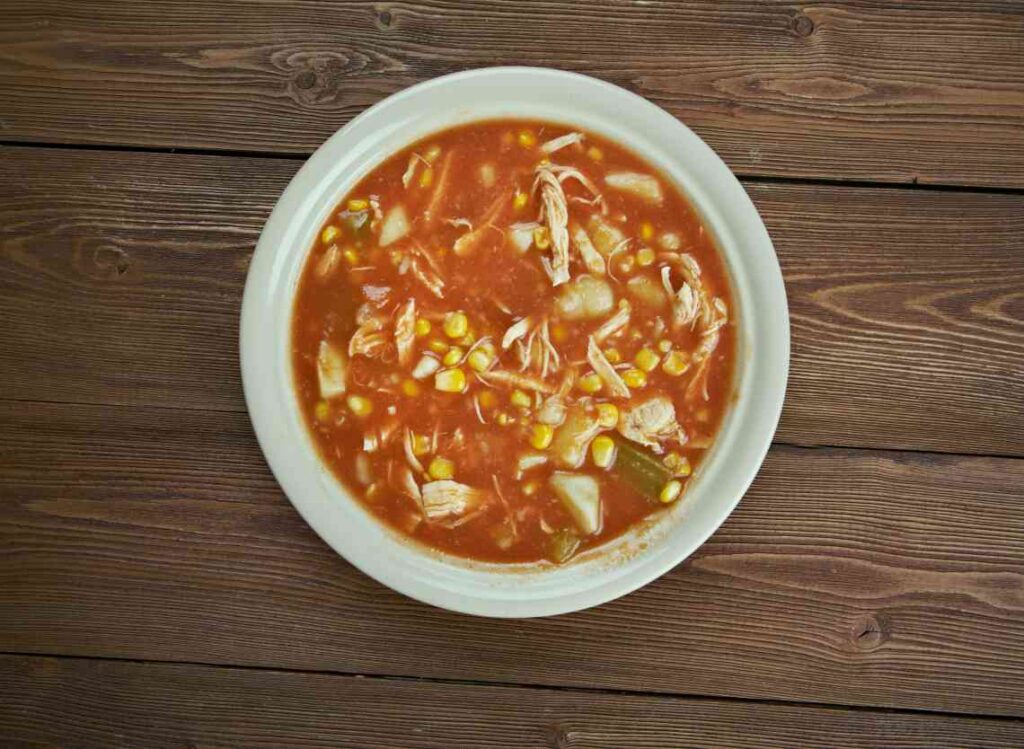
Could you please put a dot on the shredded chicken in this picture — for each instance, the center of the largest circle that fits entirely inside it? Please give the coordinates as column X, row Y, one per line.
column 702, row 356
column 556, row 144
column 651, row 423
column 615, row 323
column 592, row 259
column 410, row 454
column 369, row 339
column 616, row 387
column 555, row 213
column 424, row 269
column 448, row 501
column 504, row 378
column 432, row 211
column 516, row 331
column 405, row 332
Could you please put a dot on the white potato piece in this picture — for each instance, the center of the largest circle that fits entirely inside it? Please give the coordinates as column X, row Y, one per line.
column 643, row 186
column 585, row 298
column 605, row 235
column 581, row 496
column 396, row 226
column 330, row 370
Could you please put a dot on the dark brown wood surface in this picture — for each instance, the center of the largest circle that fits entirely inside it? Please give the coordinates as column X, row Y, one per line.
column 926, row 92
column 95, row 705
column 131, row 267
column 157, row 589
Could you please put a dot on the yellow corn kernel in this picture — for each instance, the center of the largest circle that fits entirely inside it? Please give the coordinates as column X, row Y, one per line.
column 612, row 355
column 420, row 444
column 521, row 399
column 559, row 334
column 329, row 234
column 488, row 399
column 427, row 177
column 453, row 356
column 541, row 436
column 437, row 346
column 432, row 153
column 589, row 383
column 503, row 419
column 360, row 406
column 626, row 263
column 441, row 468
column 542, row 237
column 644, row 257
column 422, row 328
column 350, row 255
column 634, row 378
column 520, row 200
column 322, row 411
column 456, row 324
column 676, row 362
column 595, row 153
column 678, row 464
column 530, row 488
column 450, row 381
column 607, row 415
column 358, row 204
column 374, row 492
column 646, row 231
column 467, row 340
column 664, row 345
column 602, row 451
column 527, row 139
column 646, row 359
column 479, row 360
column 396, row 257
column 411, row 388
column 671, row 491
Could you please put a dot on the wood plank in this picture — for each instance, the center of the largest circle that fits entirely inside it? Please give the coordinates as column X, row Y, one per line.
column 846, row 576
column 911, row 92
column 69, row 702
column 121, row 277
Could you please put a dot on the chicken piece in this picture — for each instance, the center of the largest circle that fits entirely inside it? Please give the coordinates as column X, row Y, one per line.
column 556, row 144
column 592, row 259
column 581, row 425
column 447, row 502
column 651, row 423
column 405, row 332
column 369, row 339
column 615, row 323
column 611, row 379
column 505, row 378
column 555, row 213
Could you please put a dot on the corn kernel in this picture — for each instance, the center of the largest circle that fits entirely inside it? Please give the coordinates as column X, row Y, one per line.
column 411, row 388
column 441, row 468
column 542, row 237
column 607, row 415
column 671, row 491
column 503, row 419
column 527, row 139
column 450, row 381
column 420, row 444
column 432, row 153
column 646, row 231
column 602, row 451
column 322, row 411
column 422, row 328
column 488, row 399
column 541, row 436
column 358, row 204
column 612, row 355
column 467, row 340
column 427, row 177
column 646, row 359
column 595, row 153
column 350, row 255
column 678, row 464
column 456, row 324
column 530, row 488
column 521, row 399
column 626, row 263
column 590, row 383
column 479, row 360
column 360, row 406
column 520, row 200
column 676, row 362
column 664, row 345
column 437, row 346
column 634, row 378
column 644, row 257
column 329, row 234
column 453, row 356
column 559, row 334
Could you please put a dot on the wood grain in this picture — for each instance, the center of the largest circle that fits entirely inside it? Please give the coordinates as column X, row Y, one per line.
column 121, row 278
column 846, row 576
column 85, row 704
column 911, row 92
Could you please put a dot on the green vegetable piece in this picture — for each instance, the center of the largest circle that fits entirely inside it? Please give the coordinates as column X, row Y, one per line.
column 640, row 469
column 562, row 545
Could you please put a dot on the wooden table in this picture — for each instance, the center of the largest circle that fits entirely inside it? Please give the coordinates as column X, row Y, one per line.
column 158, row 590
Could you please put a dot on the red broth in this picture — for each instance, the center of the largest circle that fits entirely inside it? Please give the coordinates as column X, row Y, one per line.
column 511, row 353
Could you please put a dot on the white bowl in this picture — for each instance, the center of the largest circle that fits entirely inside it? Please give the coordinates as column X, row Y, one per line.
column 642, row 554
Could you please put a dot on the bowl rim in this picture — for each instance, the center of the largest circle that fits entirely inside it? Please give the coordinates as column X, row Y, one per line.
column 273, row 412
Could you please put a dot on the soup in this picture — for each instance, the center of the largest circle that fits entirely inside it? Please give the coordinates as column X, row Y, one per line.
column 512, row 341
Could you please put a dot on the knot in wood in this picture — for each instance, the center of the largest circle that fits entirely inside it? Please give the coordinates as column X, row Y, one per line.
column 802, row 25
column 870, row 632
